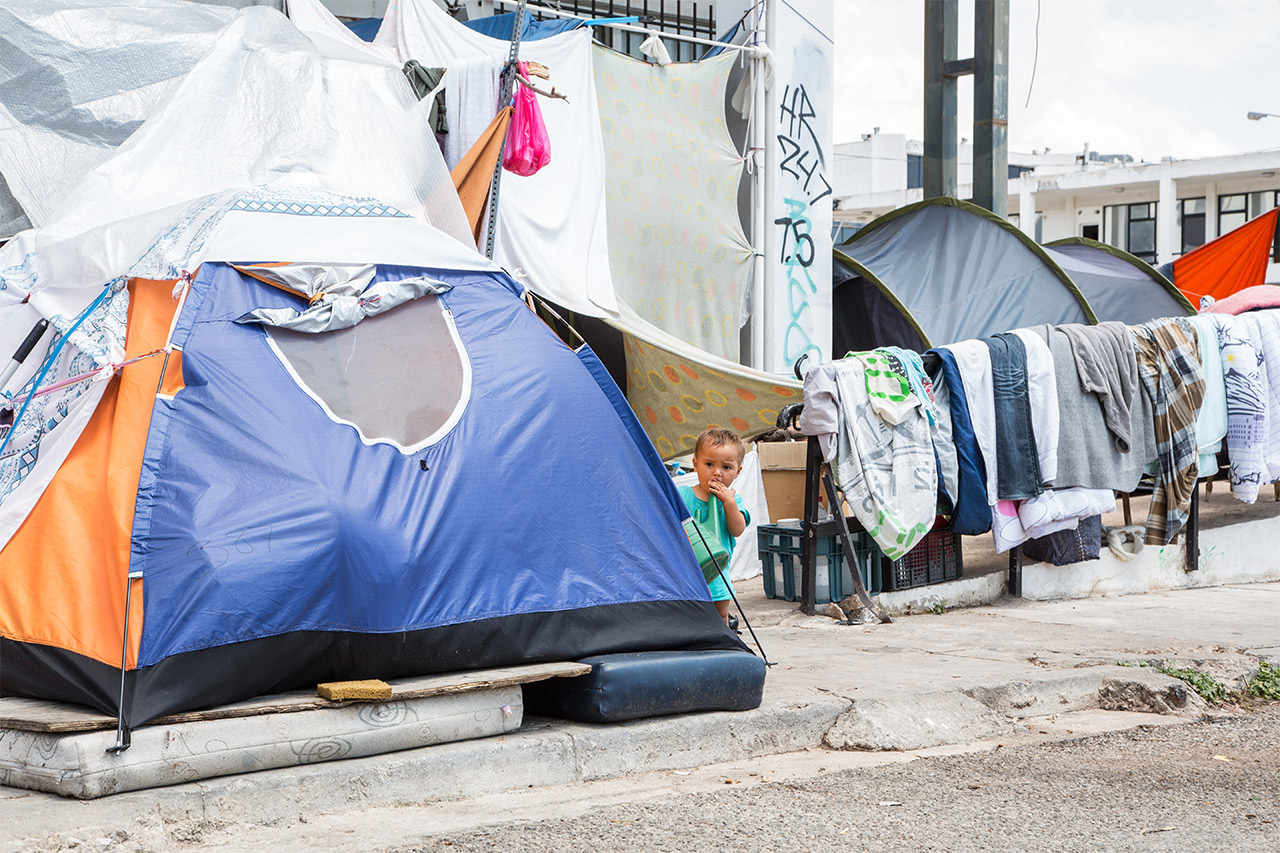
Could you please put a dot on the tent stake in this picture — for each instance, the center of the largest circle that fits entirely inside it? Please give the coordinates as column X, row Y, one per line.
column 123, row 734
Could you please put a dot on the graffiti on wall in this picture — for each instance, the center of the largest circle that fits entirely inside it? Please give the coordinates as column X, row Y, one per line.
column 800, row 209
column 803, row 167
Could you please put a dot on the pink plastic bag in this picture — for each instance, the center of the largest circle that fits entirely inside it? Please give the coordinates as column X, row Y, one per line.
column 528, row 146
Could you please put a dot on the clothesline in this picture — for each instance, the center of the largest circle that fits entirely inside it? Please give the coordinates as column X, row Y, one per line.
column 1028, row 433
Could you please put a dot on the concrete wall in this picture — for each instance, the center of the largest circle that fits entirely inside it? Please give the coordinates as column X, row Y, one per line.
column 1238, row 553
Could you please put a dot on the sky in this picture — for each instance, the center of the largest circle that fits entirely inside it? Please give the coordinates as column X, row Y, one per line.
column 1149, row 78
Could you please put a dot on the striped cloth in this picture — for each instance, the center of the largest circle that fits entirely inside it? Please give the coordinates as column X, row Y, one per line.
column 1169, row 368
column 1247, row 406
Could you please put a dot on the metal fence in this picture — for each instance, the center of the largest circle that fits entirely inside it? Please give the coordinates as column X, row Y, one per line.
column 679, row 17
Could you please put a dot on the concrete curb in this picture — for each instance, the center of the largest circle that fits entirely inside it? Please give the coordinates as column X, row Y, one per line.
column 543, row 753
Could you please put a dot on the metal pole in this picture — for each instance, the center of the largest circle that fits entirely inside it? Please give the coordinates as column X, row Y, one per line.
column 991, row 105
column 756, row 145
column 508, row 83
column 941, row 19
column 772, row 353
column 123, row 735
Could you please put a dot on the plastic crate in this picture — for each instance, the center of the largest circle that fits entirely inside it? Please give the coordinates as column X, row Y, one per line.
column 936, row 559
column 780, row 562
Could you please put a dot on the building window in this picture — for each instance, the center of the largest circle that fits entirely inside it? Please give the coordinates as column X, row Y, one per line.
column 1191, row 223
column 1233, row 211
column 1260, row 203
column 1142, row 231
column 1131, row 227
column 842, row 231
column 915, row 171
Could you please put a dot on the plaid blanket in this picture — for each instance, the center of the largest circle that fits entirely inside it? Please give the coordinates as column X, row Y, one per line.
column 1172, row 377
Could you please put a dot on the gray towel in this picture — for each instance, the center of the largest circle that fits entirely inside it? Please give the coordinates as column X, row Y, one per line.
column 1108, row 369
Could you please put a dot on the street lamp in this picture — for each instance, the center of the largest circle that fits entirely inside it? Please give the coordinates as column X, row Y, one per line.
column 1259, row 116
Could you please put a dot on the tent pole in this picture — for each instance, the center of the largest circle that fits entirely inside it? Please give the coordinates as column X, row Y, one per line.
column 508, row 84
column 123, row 738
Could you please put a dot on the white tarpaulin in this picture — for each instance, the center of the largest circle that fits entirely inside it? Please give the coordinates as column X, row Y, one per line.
column 551, row 225
column 269, row 110
column 77, row 77
column 266, row 106
column 798, row 133
column 679, row 256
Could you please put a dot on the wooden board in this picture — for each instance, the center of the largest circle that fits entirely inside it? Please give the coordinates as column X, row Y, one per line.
column 40, row 715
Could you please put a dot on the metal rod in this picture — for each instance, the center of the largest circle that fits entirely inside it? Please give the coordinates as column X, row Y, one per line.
column 808, row 527
column 729, row 586
column 508, row 83
column 1015, row 571
column 1193, row 530
column 123, row 735
column 849, row 551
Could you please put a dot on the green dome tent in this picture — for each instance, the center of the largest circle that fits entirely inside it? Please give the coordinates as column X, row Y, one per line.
column 945, row 270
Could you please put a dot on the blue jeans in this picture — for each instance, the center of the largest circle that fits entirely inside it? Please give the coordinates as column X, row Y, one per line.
column 972, row 515
column 1017, row 463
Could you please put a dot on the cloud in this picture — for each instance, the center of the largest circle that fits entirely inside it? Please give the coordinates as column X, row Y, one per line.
column 1144, row 77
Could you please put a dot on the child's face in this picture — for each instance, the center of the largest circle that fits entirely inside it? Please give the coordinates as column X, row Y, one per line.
column 718, row 463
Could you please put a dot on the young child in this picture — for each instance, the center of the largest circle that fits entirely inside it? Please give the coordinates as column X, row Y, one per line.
column 717, row 459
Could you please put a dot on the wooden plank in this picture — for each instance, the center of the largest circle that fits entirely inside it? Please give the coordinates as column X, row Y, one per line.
column 484, row 679
column 39, row 715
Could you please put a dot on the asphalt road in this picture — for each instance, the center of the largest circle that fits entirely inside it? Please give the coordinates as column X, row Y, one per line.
column 1200, row 786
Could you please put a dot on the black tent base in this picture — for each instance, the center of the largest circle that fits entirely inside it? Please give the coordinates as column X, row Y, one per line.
column 235, row 672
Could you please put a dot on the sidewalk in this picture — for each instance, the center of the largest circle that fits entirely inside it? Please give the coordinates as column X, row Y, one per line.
column 924, row 681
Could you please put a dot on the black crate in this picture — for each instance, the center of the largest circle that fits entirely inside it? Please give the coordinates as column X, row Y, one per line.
column 937, row 558
column 780, row 562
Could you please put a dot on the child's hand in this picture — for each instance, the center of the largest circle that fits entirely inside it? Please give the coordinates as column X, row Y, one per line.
column 723, row 493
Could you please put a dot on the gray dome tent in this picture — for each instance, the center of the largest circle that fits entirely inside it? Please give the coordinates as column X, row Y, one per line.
column 1118, row 285
column 944, row 270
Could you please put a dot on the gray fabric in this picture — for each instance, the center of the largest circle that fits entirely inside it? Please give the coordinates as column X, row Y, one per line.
column 424, row 81
column 1116, row 289
column 344, row 310
column 962, row 275
column 1108, row 368
column 13, row 218
column 1087, row 455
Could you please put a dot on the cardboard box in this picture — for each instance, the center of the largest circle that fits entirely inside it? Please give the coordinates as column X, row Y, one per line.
column 782, row 467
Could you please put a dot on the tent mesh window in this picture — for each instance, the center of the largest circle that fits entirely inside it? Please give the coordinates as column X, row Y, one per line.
column 397, row 377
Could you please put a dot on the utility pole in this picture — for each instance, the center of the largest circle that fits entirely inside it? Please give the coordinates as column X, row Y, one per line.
column 991, row 105
column 990, row 69
column 940, row 24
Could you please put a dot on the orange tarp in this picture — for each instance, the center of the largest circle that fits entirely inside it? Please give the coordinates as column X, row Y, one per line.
column 474, row 172
column 66, row 567
column 1232, row 262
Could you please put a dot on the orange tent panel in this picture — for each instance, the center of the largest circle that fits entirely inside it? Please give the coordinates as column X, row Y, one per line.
column 71, row 594
column 1228, row 264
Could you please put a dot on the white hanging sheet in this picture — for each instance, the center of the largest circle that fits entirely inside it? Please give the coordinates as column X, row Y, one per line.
column 678, row 253
column 551, row 225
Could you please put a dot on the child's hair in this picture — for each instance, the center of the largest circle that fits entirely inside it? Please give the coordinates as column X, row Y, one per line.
column 718, row 437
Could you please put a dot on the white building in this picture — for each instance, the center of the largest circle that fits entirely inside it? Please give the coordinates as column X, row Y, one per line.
column 1156, row 211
